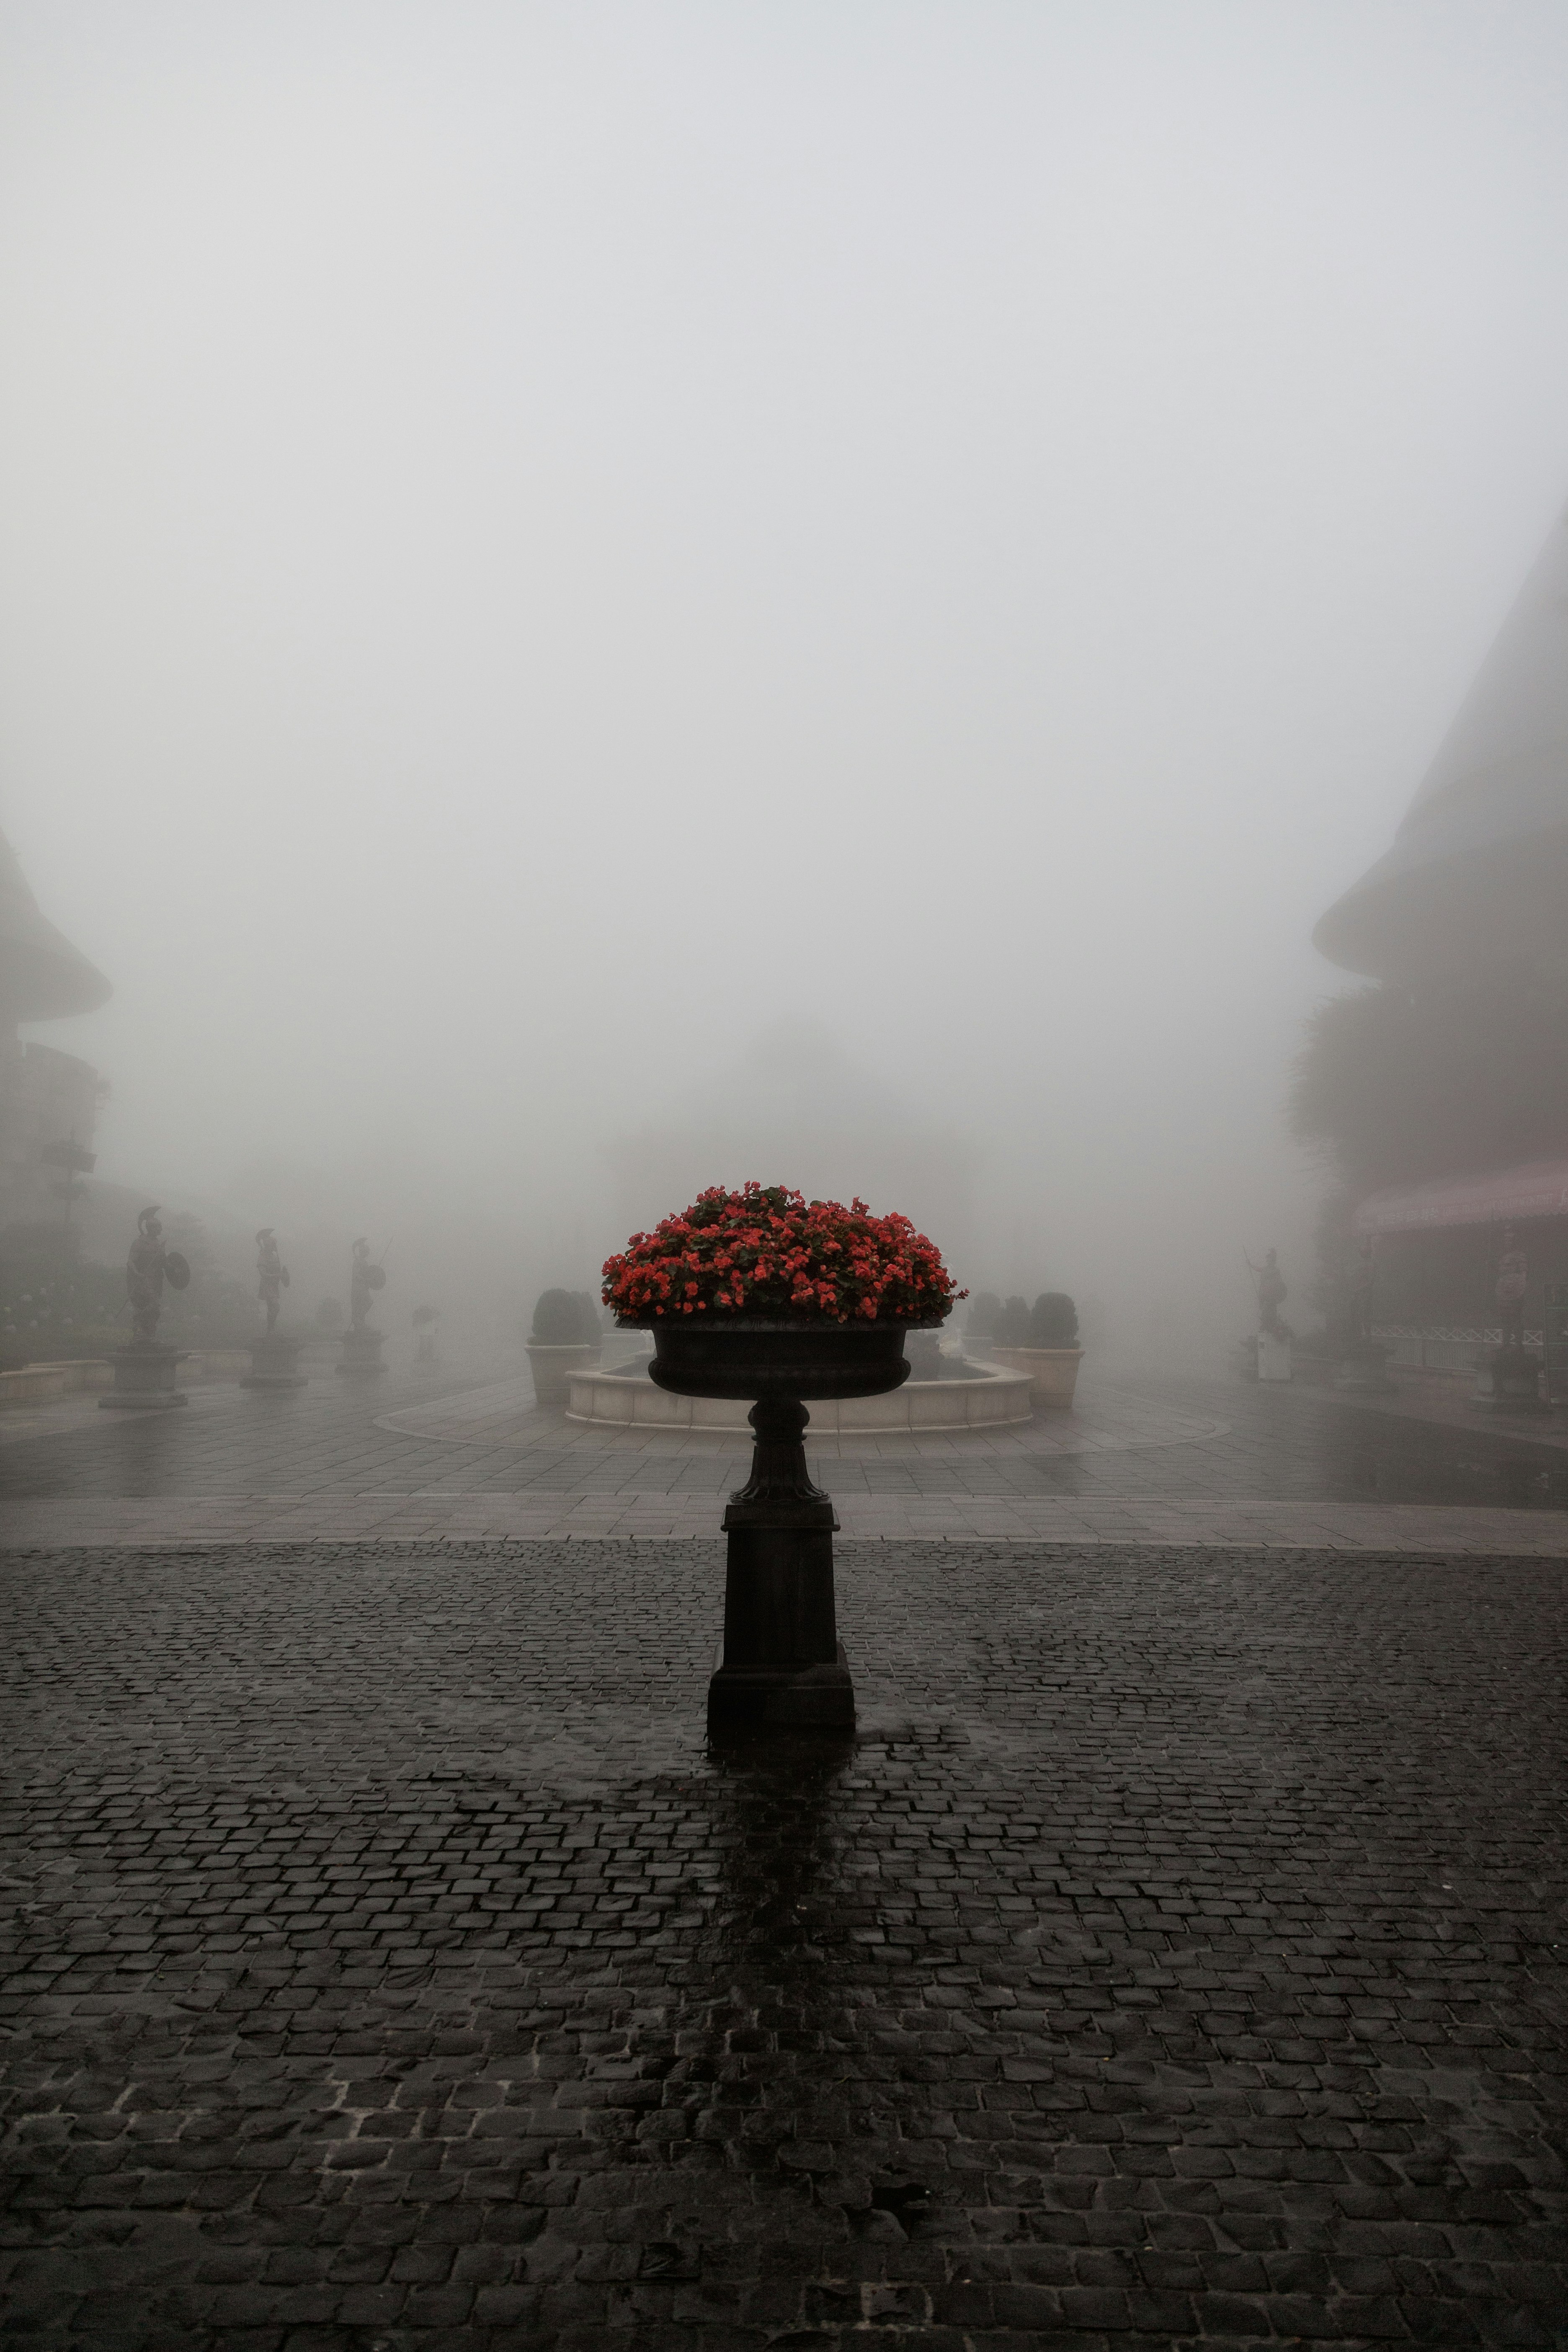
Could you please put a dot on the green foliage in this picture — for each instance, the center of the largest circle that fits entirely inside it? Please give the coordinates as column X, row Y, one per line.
column 981, row 1320
column 53, row 1302
column 1395, row 1085
column 1053, row 1321
column 1013, row 1324
column 565, row 1319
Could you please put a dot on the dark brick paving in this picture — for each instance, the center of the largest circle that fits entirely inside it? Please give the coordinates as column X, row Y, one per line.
column 1178, row 1958
column 1281, row 1445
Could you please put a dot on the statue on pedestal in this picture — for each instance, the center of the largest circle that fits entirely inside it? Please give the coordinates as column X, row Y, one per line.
column 1272, row 1347
column 362, row 1341
column 274, row 1356
column 1362, row 1361
column 147, row 1267
column 364, row 1279
column 144, row 1369
column 1363, row 1288
column 1269, row 1283
column 273, row 1276
column 1512, row 1281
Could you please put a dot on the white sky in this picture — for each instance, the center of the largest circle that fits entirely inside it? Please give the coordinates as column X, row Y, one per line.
column 542, row 539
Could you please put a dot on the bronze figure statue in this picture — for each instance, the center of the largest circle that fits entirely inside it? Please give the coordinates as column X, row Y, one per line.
column 1269, row 1283
column 147, row 1266
column 272, row 1272
column 363, row 1280
column 1512, row 1281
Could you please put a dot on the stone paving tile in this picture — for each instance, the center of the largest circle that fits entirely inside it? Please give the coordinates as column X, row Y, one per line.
column 1274, row 1445
column 1176, row 1959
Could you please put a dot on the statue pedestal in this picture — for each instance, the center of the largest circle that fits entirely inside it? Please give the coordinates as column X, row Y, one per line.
column 274, row 1363
column 143, row 1378
column 361, row 1355
column 1273, row 1357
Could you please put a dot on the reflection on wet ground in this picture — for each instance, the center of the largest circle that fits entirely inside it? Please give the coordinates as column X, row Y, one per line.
column 1180, row 1441
column 1177, row 1946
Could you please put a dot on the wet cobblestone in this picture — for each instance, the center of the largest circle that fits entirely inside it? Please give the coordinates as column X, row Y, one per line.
column 1178, row 1956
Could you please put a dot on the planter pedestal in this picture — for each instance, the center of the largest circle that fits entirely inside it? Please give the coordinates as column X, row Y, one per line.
column 783, row 1665
column 274, row 1363
column 1053, row 1374
column 553, row 1368
column 143, row 1378
column 361, row 1355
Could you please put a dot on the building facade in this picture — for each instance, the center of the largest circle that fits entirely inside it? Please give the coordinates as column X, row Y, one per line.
column 1463, row 928
column 48, row 1100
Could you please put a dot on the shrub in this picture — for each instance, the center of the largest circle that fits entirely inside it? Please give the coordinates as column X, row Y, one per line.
column 1013, row 1324
column 984, row 1309
column 1053, row 1321
column 564, row 1319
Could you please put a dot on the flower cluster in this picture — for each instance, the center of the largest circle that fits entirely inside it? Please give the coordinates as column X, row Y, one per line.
column 765, row 1250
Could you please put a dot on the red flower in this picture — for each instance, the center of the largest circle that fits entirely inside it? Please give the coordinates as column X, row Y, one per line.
column 765, row 1250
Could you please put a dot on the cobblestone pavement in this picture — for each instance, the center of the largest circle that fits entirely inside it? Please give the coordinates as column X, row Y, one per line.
column 1177, row 1957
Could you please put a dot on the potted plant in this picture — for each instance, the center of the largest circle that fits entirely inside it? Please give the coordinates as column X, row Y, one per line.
column 564, row 1338
column 763, row 1293
column 1048, row 1349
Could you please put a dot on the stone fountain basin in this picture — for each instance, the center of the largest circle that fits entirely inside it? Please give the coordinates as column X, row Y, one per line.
column 978, row 1396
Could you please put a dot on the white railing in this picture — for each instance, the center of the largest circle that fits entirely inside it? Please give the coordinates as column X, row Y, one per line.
column 1442, row 1347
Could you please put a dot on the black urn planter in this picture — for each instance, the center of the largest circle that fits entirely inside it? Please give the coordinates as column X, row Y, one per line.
column 783, row 1665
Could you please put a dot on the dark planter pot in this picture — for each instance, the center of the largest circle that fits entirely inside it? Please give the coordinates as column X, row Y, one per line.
column 766, row 1357
column 783, row 1666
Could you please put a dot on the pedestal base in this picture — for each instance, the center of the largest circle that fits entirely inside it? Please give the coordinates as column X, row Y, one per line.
column 361, row 1356
column 143, row 1378
column 274, row 1363
column 1273, row 1357
column 781, row 1667
column 782, row 1698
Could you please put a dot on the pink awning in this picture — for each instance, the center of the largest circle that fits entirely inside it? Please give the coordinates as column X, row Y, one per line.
column 1536, row 1188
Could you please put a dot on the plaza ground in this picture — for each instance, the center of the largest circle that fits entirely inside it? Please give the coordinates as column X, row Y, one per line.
column 1176, row 1956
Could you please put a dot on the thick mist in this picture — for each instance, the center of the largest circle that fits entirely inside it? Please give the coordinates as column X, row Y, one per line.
column 598, row 598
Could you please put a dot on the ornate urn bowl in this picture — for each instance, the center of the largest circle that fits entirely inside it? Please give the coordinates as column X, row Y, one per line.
column 782, row 1665
column 768, row 1357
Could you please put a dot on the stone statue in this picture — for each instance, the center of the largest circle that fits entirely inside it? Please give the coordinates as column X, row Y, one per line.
column 363, row 1280
column 273, row 1274
column 1364, row 1284
column 1270, row 1284
column 147, row 1268
column 1512, row 1279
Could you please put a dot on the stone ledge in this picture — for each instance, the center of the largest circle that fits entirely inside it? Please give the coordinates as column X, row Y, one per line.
column 997, row 1399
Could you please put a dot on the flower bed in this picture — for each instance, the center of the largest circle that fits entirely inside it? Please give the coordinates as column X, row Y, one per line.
column 766, row 1251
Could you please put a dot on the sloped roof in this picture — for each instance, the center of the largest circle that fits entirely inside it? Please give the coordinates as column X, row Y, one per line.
column 1480, row 864
column 42, row 976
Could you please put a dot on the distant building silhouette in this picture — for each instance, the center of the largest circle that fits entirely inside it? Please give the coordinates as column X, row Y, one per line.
column 1465, row 922
column 1478, row 870
column 48, row 1099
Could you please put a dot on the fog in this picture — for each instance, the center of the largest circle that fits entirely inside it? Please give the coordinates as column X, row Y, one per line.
column 592, row 593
